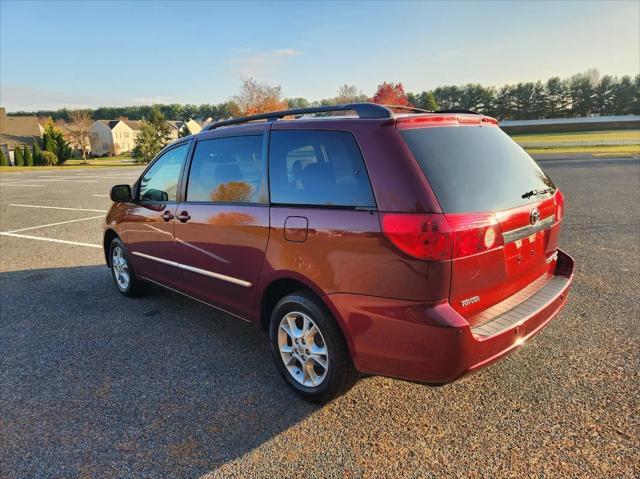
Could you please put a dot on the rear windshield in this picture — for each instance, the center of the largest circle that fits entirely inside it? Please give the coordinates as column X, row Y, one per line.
column 475, row 168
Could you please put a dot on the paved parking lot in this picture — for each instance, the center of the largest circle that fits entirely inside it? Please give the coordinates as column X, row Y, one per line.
column 93, row 384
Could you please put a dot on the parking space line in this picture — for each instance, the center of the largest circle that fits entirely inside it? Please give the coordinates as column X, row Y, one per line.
column 68, row 180
column 101, row 196
column 54, row 224
column 57, row 208
column 19, row 184
column 52, row 240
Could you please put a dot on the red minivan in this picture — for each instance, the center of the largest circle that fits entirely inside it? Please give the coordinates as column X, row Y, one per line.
column 386, row 240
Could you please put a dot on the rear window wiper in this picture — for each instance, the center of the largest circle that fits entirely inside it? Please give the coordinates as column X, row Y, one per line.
column 531, row 193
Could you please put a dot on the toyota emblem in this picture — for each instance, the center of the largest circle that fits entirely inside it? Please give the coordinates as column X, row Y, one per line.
column 534, row 216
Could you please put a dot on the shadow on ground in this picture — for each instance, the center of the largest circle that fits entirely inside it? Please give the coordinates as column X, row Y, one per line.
column 94, row 384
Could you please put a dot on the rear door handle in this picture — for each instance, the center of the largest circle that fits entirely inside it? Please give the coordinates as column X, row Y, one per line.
column 167, row 216
column 184, row 217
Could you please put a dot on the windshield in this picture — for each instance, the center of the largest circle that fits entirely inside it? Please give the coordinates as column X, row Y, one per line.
column 476, row 168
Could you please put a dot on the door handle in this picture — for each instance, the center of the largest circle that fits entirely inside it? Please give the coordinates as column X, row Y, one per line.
column 184, row 217
column 167, row 216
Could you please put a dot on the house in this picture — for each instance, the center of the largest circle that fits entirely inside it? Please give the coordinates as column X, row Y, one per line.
column 113, row 137
column 175, row 126
column 18, row 131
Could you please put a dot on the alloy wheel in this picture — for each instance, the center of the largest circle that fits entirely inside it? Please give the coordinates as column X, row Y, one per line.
column 120, row 268
column 303, row 349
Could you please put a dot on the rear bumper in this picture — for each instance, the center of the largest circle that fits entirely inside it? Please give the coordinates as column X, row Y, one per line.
column 431, row 342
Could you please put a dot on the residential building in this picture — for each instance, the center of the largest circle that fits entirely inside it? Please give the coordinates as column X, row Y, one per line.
column 113, row 137
column 18, row 131
column 176, row 126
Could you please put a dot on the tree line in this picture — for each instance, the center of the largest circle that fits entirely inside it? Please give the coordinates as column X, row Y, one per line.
column 583, row 94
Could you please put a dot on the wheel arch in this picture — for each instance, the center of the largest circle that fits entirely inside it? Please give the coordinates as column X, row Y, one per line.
column 285, row 284
column 109, row 236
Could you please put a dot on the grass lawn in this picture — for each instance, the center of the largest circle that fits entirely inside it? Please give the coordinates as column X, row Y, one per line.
column 537, row 141
column 607, row 150
column 624, row 135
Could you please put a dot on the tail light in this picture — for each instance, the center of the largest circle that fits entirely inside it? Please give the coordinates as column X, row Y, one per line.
column 421, row 236
column 439, row 237
column 474, row 233
column 559, row 205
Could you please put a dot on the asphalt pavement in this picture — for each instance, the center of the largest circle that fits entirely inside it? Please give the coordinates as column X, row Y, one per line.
column 93, row 384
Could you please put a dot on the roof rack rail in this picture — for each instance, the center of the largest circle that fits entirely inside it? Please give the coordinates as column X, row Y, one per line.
column 364, row 110
column 470, row 112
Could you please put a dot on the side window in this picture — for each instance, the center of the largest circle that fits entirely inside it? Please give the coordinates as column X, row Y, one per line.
column 322, row 168
column 160, row 182
column 228, row 170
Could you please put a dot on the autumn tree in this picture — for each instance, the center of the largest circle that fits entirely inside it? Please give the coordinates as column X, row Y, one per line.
column 255, row 98
column 78, row 129
column 390, row 94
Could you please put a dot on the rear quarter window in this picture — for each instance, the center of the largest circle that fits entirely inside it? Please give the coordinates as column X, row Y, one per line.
column 323, row 168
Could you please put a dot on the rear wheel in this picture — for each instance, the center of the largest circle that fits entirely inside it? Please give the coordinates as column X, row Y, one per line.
column 122, row 272
column 309, row 349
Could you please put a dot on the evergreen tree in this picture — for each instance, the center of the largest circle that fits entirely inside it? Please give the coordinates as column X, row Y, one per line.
column 28, row 159
column 37, row 154
column 557, row 97
column 49, row 143
column 18, row 159
column 3, row 158
column 55, row 142
column 49, row 159
column 154, row 136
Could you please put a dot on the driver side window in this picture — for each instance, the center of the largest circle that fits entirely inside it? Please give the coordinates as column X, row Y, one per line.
column 160, row 182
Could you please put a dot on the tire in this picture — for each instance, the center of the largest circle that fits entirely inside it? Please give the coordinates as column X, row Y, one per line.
column 121, row 268
column 331, row 381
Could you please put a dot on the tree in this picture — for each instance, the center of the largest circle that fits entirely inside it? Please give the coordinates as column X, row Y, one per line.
column 349, row 94
column 504, row 103
column 49, row 143
column 18, row 159
column 448, row 97
column 153, row 137
column 255, row 98
column 295, row 103
column 37, row 154
column 539, row 101
column 79, row 130
column 54, row 142
column 424, row 100
column 635, row 107
column 624, row 96
column 28, row 159
column 49, row 159
column 4, row 161
column 390, row 94
column 557, row 97
column 581, row 93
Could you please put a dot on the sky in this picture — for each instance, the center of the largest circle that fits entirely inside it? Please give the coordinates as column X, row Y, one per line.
column 115, row 53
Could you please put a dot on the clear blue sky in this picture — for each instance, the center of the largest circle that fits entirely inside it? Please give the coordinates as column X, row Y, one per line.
column 75, row 54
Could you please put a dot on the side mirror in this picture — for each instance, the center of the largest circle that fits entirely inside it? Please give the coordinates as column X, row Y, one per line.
column 121, row 193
